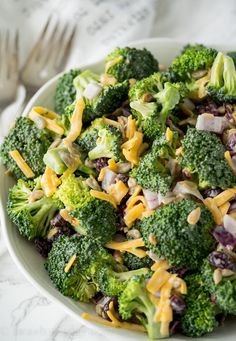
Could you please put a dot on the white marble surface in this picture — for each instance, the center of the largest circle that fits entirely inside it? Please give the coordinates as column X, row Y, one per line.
column 25, row 314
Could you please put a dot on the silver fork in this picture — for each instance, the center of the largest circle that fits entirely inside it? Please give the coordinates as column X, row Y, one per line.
column 47, row 57
column 9, row 75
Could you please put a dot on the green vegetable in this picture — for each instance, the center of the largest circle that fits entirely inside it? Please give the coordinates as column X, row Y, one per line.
column 62, row 157
column 130, row 63
column 133, row 262
column 78, row 282
column 112, row 282
column 224, row 292
column 203, row 156
column 106, row 101
column 135, row 301
column 87, row 140
column 193, row 58
column 97, row 218
column 32, row 218
column 108, row 144
column 65, row 90
column 101, row 140
column 199, row 317
column 152, row 101
column 31, row 142
column 151, row 172
column 222, row 84
column 180, row 243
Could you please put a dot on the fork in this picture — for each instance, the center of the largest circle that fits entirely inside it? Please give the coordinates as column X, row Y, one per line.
column 47, row 58
column 9, row 75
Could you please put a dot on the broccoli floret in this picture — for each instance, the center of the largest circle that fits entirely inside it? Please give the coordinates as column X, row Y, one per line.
column 151, row 172
column 65, row 91
column 199, row 317
column 31, row 142
column 133, row 262
column 222, row 84
column 96, row 218
column 126, row 63
column 224, row 292
column 135, row 301
column 78, row 281
column 87, row 140
column 152, row 102
column 32, row 218
column 108, row 144
column 203, row 156
column 107, row 99
column 112, row 283
column 180, row 243
column 193, row 58
column 62, row 157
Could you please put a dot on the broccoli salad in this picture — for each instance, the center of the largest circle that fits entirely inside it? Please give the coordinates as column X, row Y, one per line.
column 128, row 189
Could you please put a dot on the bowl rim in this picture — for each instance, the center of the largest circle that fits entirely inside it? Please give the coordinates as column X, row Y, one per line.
column 3, row 216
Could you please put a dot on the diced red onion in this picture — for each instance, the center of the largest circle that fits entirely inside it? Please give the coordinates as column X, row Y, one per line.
column 151, row 198
column 224, row 237
column 109, row 178
column 187, row 187
column 209, row 122
column 92, row 90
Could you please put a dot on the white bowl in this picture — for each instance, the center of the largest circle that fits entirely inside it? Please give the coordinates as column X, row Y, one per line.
column 24, row 253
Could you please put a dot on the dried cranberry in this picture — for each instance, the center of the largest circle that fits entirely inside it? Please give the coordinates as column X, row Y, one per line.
column 186, row 174
column 232, row 206
column 58, row 221
column 100, row 163
column 97, row 298
column 224, row 237
column 211, row 193
column 221, row 260
column 43, row 246
column 181, row 272
column 208, row 106
column 177, row 304
column 231, row 142
column 124, row 178
column 174, row 327
column 106, row 307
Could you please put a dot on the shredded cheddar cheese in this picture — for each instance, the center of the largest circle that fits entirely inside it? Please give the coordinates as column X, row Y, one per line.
column 225, row 196
column 159, row 278
column 21, row 163
column 76, row 122
column 224, row 208
column 131, row 127
column 160, row 264
column 230, row 161
column 131, row 148
column 133, row 214
column 137, row 252
column 169, row 134
column 103, row 196
column 112, row 165
column 70, row 263
column 127, row 245
column 118, row 191
column 49, row 182
column 49, row 118
column 210, row 204
column 124, row 325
